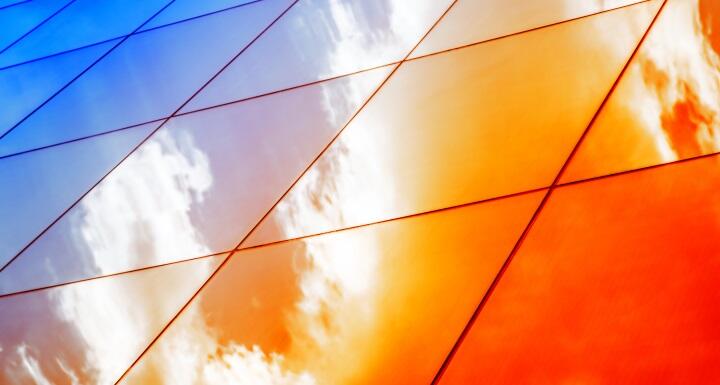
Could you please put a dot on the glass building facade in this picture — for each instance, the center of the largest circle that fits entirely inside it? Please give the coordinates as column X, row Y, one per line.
column 311, row 192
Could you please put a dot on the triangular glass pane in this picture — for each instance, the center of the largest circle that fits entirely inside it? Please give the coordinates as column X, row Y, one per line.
column 18, row 20
column 185, row 9
column 344, row 308
column 38, row 186
column 90, row 332
column 83, row 22
column 616, row 283
column 319, row 39
column 667, row 105
column 195, row 187
column 23, row 88
column 472, row 21
column 463, row 126
column 147, row 77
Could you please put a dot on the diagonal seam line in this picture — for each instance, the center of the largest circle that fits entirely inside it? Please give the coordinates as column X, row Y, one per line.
column 60, row 53
column 88, row 68
column 224, row 104
column 321, row 80
column 506, row 264
column 241, row 5
column 285, row 240
column 147, row 137
column 418, row 214
column 97, row 277
column 14, row 4
column 332, row 140
column 33, row 29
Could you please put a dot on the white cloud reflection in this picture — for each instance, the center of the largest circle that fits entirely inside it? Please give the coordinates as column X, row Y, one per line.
column 676, row 84
column 141, row 214
column 336, row 280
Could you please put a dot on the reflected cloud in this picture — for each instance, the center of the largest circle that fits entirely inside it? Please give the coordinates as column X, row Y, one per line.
column 395, row 23
column 679, row 98
column 141, row 213
column 334, row 310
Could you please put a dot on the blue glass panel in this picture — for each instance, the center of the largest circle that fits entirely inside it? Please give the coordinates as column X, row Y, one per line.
column 83, row 22
column 23, row 88
column 38, row 186
column 196, row 187
column 185, row 9
column 148, row 76
column 10, row 3
column 319, row 39
column 18, row 20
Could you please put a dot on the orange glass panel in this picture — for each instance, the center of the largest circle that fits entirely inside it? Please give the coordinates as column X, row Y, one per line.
column 196, row 187
column 463, row 126
column 471, row 21
column 617, row 283
column 90, row 332
column 380, row 304
column 667, row 105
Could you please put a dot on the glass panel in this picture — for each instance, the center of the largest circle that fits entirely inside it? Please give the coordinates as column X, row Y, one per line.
column 23, row 88
column 667, row 106
column 83, row 22
column 616, row 284
column 10, row 3
column 196, row 187
column 38, row 186
column 90, row 332
column 320, row 39
column 463, row 126
column 185, row 9
column 344, row 308
column 472, row 21
column 18, row 20
column 147, row 77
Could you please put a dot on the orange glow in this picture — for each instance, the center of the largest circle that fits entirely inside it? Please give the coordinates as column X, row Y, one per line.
column 667, row 106
column 351, row 307
column 616, row 283
column 514, row 121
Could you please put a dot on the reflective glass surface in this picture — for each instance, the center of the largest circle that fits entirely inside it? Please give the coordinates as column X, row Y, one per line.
column 195, row 187
column 667, row 106
column 185, row 9
column 442, row 121
column 359, row 192
column 319, row 39
column 473, row 21
column 82, row 22
column 89, row 332
column 42, row 184
column 147, row 77
column 23, row 88
column 616, row 283
column 19, row 20
column 344, row 308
